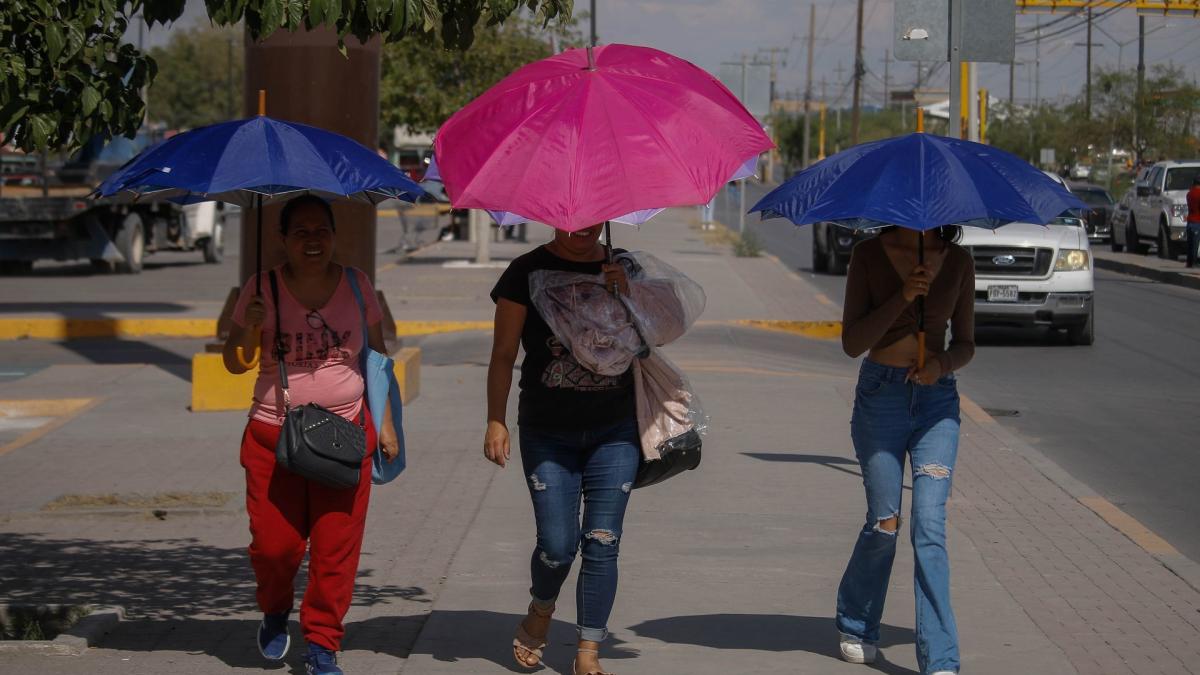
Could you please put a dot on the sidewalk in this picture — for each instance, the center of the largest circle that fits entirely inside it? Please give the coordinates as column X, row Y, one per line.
column 1147, row 266
column 729, row 569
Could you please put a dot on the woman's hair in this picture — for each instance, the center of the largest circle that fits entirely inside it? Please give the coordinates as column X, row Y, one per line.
column 947, row 233
column 285, row 216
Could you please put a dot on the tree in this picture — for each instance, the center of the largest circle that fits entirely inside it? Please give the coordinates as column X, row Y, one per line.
column 67, row 77
column 199, row 79
column 424, row 82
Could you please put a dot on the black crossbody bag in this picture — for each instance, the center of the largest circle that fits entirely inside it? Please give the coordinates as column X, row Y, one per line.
column 315, row 443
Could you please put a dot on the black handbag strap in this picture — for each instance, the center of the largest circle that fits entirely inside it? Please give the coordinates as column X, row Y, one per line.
column 279, row 354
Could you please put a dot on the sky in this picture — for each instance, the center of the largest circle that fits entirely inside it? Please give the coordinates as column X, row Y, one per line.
column 709, row 32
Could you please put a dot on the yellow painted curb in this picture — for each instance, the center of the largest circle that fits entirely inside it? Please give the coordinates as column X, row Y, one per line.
column 821, row 330
column 1129, row 526
column 409, row 328
column 216, row 389
column 72, row 329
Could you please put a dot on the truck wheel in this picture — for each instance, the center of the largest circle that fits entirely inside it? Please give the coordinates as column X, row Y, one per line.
column 131, row 242
column 1085, row 333
column 214, row 246
column 1166, row 249
column 834, row 262
column 819, row 262
column 1116, row 246
column 1132, row 241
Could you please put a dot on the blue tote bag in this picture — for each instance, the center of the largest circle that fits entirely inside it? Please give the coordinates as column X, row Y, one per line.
column 381, row 391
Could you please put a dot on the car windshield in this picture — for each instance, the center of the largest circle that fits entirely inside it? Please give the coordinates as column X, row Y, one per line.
column 1093, row 197
column 1181, row 178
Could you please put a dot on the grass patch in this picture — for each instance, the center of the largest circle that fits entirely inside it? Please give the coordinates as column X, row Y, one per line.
column 747, row 246
column 44, row 622
column 160, row 500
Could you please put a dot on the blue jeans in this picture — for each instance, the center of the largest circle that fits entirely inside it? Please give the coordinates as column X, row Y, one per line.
column 892, row 419
column 561, row 467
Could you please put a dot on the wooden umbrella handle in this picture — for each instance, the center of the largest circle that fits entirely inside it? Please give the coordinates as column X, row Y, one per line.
column 921, row 350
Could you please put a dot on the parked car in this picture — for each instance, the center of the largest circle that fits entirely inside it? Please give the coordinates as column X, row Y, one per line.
column 1032, row 275
column 1158, row 210
column 832, row 244
column 1100, row 209
column 1081, row 171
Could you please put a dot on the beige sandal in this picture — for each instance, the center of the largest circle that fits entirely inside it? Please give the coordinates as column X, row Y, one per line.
column 526, row 645
column 575, row 664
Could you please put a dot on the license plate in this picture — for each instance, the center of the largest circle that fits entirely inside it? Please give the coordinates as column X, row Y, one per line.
column 1002, row 294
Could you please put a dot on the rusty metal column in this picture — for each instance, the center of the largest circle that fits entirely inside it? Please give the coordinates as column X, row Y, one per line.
column 308, row 81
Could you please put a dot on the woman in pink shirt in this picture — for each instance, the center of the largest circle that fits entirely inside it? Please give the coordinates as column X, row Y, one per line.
column 322, row 338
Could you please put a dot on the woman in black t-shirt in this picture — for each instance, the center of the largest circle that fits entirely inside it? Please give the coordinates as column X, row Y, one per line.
column 579, row 439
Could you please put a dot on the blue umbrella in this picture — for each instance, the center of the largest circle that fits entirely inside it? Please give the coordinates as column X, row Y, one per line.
column 256, row 161
column 919, row 182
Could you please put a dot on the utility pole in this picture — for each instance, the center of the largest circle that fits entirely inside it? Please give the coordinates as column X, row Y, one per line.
column 812, row 28
column 1088, row 102
column 1141, row 80
column 859, row 70
column 769, row 173
column 229, row 78
column 592, row 19
column 741, row 183
column 887, row 60
column 1012, row 78
column 1037, row 65
column 954, row 123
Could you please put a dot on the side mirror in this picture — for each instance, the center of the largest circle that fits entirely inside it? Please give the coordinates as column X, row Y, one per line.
column 1143, row 191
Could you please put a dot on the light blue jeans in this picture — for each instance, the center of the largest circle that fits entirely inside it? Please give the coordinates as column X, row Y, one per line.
column 562, row 468
column 894, row 419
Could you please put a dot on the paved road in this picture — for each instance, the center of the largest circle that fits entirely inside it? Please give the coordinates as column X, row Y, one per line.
column 1119, row 416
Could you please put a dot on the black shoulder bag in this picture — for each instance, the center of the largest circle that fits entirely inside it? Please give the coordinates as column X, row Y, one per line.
column 315, row 443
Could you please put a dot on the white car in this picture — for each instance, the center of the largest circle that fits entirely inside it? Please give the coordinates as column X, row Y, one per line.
column 1158, row 210
column 1033, row 275
column 1081, row 172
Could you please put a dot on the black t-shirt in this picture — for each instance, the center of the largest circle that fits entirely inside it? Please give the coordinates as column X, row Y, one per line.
column 557, row 392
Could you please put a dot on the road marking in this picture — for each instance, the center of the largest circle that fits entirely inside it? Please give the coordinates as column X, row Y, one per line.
column 408, row 328
column 821, row 330
column 824, row 300
column 62, row 328
column 57, row 411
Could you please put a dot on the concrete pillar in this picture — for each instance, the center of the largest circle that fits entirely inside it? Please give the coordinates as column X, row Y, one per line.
column 307, row 80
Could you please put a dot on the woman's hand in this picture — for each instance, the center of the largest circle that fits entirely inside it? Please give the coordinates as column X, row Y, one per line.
column 389, row 443
column 917, row 283
column 927, row 375
column 256, row 312
column 614, row 274
column 495, row 443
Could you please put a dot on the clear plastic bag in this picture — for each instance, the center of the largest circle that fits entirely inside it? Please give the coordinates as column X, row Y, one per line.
column 668, row 410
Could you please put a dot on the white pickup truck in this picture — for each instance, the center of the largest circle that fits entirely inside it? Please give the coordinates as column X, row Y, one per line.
column 1158, row 210
column 1033, row 275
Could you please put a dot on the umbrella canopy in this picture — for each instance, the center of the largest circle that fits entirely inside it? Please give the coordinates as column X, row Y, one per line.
column 919, row 182
column 257, row 160
column 591, row 135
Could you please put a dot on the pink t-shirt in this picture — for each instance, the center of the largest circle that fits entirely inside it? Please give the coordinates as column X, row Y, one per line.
column 322, row 363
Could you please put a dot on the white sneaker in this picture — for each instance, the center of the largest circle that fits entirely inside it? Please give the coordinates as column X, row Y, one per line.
column 855, row 650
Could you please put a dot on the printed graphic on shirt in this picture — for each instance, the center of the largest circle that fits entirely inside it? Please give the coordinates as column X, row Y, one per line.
column 564, row 372
column 315, row 348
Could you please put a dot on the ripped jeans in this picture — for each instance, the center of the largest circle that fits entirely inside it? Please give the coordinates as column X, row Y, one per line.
column 562, row 467
column 892, row 419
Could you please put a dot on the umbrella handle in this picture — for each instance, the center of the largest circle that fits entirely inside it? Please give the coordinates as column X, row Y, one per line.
column 920, row 350
column 253, row 362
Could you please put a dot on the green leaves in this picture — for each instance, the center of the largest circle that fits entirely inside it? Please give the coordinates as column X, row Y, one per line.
column 66, row 76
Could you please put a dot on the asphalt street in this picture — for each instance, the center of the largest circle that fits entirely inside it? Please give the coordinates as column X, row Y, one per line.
column 1119, row 415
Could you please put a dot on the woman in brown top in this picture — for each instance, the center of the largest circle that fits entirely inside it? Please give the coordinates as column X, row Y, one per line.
column 901, row 410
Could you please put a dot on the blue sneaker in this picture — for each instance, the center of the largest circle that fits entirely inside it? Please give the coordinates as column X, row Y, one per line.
column 273, row 638
column 321, row 661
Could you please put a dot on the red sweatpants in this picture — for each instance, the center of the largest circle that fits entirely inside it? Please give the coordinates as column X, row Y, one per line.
column 289, row 514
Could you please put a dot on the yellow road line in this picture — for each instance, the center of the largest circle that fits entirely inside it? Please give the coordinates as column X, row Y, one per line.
column 821, row 330
column 63, row 410
column 404, row 328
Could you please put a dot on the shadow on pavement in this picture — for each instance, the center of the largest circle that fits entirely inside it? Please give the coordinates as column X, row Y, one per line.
column 488, row 636
column 999, row 336
column 90, row 310
column 768, row 633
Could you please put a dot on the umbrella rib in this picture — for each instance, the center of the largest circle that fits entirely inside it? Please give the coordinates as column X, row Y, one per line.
column 991, row 167
column 987, row 212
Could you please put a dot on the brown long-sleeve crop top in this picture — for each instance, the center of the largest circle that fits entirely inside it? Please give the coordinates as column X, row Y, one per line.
column 876, row 314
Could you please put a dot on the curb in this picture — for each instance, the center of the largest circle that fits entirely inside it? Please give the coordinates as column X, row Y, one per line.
column 1161, row 276
column 87, row 632
column 1180, row 565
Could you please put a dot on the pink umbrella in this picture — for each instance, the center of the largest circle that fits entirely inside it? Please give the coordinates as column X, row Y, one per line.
column 592, row 135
